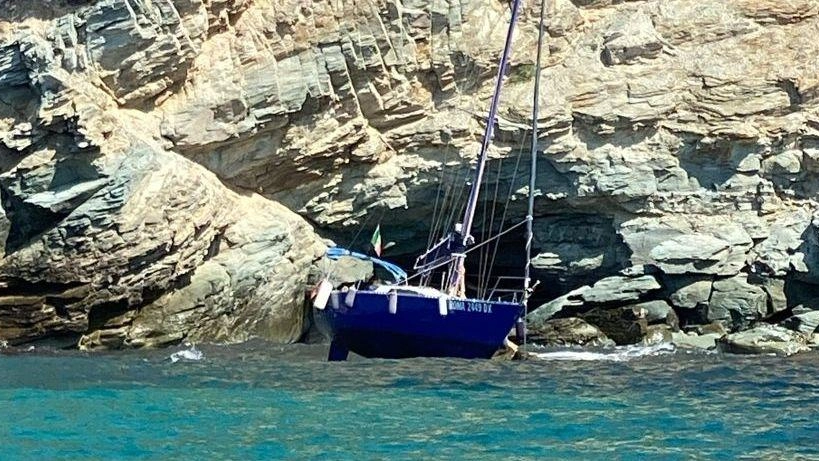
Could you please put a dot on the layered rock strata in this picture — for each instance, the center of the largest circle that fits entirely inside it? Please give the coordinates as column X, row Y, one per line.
column 679, row 143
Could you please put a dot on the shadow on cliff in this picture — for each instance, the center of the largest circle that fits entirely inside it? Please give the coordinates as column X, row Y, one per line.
column 713, row 163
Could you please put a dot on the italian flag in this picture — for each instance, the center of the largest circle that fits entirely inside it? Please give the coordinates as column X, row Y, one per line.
column 376, row 240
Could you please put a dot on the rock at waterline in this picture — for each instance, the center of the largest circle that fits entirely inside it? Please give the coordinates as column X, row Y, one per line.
column 764, row 339
column 806, row 323
column 694, row 341
column 569, row 331
column 623, row 325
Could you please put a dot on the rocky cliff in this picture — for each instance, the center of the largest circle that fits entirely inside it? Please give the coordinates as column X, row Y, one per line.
column 155, row 156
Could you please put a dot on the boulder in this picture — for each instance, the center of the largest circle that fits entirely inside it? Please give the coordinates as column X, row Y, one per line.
column 657, row 312
column 569, row 331
column 736, row 303
column 617, row 290
column 657, row 334
column 705, row 341
column 691, row 295
column 347, row 270
column 779, row 253
column 764, row 339
column 806, row 323
column 155, row 252
column 774, row 288
column 622, row 325
column 688, row 245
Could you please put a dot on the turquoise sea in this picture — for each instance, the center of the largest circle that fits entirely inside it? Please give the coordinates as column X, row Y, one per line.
column 260, row 401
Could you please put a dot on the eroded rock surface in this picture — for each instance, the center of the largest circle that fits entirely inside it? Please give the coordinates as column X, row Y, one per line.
column 679, row 140
column 764, row 339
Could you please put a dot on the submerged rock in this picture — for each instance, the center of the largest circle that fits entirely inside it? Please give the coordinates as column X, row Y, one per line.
column 764, row 339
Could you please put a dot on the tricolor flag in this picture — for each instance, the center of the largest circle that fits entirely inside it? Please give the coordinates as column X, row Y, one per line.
column 376, row 240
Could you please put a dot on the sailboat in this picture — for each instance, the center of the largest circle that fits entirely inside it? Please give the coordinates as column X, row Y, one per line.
column 400, row 320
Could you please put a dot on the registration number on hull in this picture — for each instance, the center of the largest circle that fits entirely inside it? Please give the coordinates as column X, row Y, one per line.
column 470, row 306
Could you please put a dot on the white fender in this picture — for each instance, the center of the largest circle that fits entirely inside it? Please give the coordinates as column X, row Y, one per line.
column 350, row 298
column 393, row 302
column 443, row 305
column 322, row 294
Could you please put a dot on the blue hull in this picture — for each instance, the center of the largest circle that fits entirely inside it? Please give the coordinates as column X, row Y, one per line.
column 469, row 328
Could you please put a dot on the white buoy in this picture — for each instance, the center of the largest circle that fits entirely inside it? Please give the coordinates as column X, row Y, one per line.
column 443, row 302
column 322, row 294
column 334, row 299
column 350, row 298
column 393, row 302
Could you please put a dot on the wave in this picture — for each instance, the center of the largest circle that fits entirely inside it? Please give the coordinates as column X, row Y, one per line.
column 191, row 354
column 617, row 354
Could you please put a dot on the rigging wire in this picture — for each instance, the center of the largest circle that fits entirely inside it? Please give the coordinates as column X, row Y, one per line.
column 480, row 245
column 488, row 267
column 435, row 210
column 527, row 285
column 508, row 199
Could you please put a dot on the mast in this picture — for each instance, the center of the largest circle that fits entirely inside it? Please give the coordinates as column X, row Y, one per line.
column 527, row 280
column 457, row 268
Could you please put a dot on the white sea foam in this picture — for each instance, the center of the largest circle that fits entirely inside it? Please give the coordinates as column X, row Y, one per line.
column 617, row 354
column 191, row 353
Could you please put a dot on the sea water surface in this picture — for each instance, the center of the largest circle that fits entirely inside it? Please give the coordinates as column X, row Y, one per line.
column 261, row 401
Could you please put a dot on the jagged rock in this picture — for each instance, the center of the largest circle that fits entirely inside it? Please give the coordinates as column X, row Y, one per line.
column 631, row 36
column 736, row 303
column 130, row 273
column 779, row 255
column 567, row 305
column 256, row 289
column 691, row 153
column 775, row 290
column 806, row 323
column 347, row 270
column 620, row 289
column 569, row 331
column 687, row 245
column 691, row 295
column 657, row 312
column 616, row 289
column 657, row 334
column 764, row 339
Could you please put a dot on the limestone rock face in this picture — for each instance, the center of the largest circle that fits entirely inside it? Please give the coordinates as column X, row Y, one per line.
column 110, row 237
column 678, row 139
